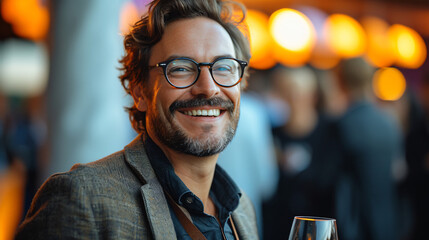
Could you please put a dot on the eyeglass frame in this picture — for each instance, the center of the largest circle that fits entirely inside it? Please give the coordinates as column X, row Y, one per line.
column 163, row 65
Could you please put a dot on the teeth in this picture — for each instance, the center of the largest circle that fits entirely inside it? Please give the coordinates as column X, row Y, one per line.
column 204, row 112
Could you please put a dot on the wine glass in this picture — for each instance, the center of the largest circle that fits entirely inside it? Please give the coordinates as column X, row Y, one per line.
column 313, row 228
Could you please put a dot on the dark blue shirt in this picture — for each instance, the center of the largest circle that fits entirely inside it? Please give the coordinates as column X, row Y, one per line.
column 224, row 193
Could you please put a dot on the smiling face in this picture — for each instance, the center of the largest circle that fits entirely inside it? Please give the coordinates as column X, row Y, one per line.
column 199, row 120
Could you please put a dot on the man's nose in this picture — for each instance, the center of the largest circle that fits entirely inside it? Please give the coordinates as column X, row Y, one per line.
column 205, row 84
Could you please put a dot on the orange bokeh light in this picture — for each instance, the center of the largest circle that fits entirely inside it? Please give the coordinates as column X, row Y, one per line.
column 410, row 49
column 260, row 40
column 389, row 84
column 380, row 51
column 28, row 18
column 346, row 36
column 12, row 190
column 294, row 36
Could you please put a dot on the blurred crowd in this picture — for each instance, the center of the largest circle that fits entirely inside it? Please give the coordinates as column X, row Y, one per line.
column 344, row 153
column 310, row 142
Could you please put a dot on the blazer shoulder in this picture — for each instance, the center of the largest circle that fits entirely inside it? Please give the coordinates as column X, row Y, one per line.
column 113, row 161
column 85, row 200
column 82, row 181
column 59, row 203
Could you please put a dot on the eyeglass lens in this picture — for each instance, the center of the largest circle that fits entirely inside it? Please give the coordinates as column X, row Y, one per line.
column 183, row 72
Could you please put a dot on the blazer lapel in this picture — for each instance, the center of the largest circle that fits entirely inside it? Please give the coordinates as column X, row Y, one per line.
column 156, row 207
column 245, row 219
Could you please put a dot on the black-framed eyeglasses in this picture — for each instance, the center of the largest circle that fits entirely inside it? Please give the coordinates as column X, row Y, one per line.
column 183, row 72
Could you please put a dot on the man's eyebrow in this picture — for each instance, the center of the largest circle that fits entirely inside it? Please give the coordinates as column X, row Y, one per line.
column 175, row 56
column 184, row 56
column 223, row 56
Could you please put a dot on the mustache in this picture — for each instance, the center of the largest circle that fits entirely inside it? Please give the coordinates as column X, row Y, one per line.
column 228, row 105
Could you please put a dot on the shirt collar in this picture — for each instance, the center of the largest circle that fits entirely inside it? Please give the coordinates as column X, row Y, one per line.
column 224, row 191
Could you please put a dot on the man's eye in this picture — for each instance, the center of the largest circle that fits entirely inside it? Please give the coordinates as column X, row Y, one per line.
column 223, row 68
column 180, row 69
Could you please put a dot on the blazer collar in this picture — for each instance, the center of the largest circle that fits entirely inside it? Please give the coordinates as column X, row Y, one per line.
column 136, row 157
column 155, row 204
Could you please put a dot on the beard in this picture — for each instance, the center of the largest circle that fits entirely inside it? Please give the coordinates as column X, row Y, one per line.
column 207, row 144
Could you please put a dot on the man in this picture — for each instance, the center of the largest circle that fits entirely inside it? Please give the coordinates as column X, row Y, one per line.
column 371, row 143
column 307, row 151
column 183, row 66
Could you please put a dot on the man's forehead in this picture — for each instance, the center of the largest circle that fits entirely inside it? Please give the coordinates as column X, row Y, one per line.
column 198, row 37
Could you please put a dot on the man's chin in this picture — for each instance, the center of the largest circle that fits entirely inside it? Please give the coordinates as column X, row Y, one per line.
column 207, row 142
column 203, row 146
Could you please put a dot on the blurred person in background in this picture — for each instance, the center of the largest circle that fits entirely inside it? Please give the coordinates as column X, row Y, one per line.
column 183, row 66
column 254, row 167
column 420, row 183
column 22, row 144
column 307, row 155
column 261, row 87
column 415, row 122
column 367, row 200
column 18, row 159
column 4, row 162
column 331, row 99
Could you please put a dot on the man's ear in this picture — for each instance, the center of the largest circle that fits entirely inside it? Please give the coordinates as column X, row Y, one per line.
column 139, row 99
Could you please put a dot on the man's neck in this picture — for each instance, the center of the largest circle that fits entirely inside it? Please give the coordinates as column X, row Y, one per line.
column 195, row 172
column 197, row 179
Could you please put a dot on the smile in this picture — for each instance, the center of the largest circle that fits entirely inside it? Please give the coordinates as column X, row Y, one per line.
column 203, row 112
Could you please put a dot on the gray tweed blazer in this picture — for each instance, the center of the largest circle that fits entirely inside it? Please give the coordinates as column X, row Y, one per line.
column 117, row 197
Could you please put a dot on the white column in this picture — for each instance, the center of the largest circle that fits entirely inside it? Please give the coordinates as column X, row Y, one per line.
column 86, row 116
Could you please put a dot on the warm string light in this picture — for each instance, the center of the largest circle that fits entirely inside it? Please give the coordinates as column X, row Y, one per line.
column 293, row 40
column 260, row 40
column 288, row 36
column 380, row 46
column 409, row 48
column 346, row 36
column 292, row 30
column 294, row 36
column 322, row 56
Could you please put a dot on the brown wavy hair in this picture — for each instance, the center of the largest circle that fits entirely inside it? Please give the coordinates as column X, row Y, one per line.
column 150, row 28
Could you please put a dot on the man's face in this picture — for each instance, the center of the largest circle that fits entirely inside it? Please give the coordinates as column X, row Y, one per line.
column 169, row 121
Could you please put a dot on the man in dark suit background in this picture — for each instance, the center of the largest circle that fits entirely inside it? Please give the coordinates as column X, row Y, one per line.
column 183, row 66
column 367, row 200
